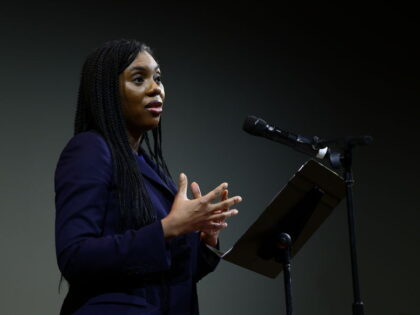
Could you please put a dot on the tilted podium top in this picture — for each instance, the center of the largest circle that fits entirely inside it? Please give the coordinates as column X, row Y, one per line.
column 298, row 209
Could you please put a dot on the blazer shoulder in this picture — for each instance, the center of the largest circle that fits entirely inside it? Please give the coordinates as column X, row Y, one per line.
column 89, row 141
column 86, row 152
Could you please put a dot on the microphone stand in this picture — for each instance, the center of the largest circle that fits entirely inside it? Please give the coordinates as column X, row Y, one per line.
column 344, row 160
column 358, row 307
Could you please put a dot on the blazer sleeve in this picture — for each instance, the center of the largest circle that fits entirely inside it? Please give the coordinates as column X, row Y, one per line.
column 207, row 261
column 83, row 180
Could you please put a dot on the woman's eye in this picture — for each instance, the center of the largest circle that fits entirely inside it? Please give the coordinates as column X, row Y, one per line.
column 158, row 78
column 138, row 80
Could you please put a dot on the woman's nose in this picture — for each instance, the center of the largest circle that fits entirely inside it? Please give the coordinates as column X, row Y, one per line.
column 154, row 89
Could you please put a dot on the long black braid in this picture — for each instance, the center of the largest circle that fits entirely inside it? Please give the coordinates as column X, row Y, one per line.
column 99, row 109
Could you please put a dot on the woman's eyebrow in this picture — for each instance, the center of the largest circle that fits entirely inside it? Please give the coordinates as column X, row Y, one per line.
column 140, row 68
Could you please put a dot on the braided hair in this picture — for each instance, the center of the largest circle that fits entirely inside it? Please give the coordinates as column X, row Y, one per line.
column 99, row 109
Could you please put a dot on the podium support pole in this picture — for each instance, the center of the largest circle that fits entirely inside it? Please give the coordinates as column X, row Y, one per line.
column 284, row 243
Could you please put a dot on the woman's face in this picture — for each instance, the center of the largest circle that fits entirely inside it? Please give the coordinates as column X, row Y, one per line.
column 142, row 94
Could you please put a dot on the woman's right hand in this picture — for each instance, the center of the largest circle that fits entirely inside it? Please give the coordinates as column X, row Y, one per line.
column 197, row 214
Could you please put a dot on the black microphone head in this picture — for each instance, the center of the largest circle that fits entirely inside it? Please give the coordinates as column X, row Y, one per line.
column 254, row 125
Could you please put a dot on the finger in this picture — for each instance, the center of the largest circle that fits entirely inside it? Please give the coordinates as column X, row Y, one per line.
column 218, row 211
column 195, row 190
column 212, row 227
column 182, row 185
column 224, row 215
column 225, row 195
column 214, row 193
column 226, row 203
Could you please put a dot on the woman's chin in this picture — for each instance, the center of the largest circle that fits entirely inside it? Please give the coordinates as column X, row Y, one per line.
column 150, row 124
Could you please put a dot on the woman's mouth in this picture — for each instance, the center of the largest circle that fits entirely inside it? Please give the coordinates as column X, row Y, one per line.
column 155, row 107
column 154, row 110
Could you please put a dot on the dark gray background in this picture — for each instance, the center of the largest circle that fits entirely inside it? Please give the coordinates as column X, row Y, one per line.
column 316, row 70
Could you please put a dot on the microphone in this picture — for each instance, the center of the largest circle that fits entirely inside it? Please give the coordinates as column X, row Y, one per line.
column 259, row 127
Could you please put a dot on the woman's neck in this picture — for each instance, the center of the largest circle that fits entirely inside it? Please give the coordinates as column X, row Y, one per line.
column 134, row 141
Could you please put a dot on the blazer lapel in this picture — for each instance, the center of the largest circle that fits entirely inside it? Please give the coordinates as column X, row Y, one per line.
column 153, row 176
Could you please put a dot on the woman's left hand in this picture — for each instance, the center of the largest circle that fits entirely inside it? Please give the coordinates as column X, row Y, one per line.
column 210, row 236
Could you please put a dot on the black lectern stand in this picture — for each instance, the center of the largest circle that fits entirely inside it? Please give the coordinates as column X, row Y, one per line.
column 287, row 223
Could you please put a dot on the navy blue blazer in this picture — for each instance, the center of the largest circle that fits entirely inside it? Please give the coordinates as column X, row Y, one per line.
column 135, row 272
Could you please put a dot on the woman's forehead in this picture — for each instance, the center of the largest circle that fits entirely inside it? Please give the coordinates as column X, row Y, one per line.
column 144, row 62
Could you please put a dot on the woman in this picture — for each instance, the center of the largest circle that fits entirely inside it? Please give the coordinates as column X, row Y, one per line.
column 127, row 241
